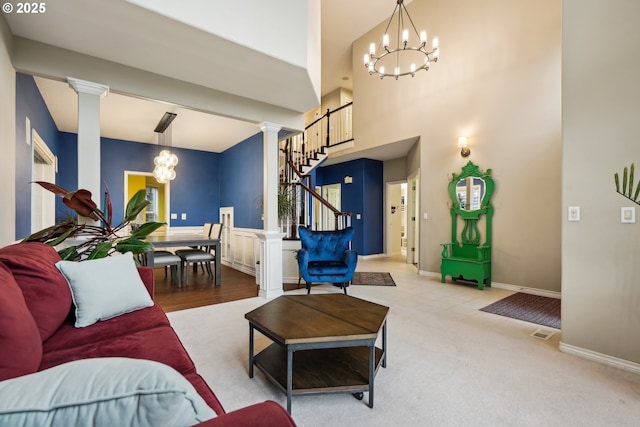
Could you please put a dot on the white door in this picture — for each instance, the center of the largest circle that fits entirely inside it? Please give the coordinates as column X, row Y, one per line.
column 43, row 202
column 226, row 217
column 331, row 194
column 396, row 219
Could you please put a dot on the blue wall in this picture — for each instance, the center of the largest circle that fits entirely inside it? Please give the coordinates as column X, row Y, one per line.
column 364, row 197
column 29, row 103
column 241, row 179
column 195, row 191
column 204, row 181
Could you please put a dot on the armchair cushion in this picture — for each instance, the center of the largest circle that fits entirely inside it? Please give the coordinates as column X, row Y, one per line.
column 317, row 268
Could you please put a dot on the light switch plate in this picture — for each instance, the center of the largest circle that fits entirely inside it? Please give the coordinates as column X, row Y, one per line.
column 628, row 215
column 573, row 213
column 183, row 216
column 174, row 216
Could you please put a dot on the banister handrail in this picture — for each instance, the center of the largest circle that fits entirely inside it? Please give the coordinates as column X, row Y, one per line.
column 296, row 154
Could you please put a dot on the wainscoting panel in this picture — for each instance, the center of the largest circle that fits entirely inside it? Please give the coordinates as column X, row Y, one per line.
column 244, row 253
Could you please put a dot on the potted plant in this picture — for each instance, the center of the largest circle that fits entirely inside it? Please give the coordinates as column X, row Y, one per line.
column 287, row 204
column 90, row 240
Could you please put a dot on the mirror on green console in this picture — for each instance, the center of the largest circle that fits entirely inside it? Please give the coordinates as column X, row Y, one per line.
column 469, row 192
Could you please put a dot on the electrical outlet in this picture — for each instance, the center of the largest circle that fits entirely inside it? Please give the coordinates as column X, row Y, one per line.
column 628, row 215
column 574, row 213
column 183, row 216
column 174, row 216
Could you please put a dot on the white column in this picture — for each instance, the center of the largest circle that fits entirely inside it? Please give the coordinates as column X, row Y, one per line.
column 270, row 237
column 89, row 95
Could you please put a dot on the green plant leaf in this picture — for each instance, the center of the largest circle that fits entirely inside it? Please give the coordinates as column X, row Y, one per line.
column 69, row 254
column 62, row 237
column 617, row 180
column 100, row 251
column 133, row 245
column 631, row 179
column 624, row 180
column 146, row 229
column 135, row 205
column 45, row 235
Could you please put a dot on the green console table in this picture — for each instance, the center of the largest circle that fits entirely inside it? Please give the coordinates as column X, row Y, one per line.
column 468, row 255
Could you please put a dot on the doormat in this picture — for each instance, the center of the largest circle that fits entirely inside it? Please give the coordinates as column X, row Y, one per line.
column 373, row 279
column 536, row 309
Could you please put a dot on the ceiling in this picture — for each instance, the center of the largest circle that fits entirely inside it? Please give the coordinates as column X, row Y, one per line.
column 133, row 119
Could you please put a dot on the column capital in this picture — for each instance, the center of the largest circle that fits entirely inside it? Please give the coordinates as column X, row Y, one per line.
column 269, row 127
column 83, row 86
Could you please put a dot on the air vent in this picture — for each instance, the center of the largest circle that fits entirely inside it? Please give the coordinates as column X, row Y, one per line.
column 542, row 334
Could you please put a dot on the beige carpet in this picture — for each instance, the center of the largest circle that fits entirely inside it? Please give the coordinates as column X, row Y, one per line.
column 449, row 364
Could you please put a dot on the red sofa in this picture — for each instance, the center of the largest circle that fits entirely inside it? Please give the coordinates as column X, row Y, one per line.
column 141, row 334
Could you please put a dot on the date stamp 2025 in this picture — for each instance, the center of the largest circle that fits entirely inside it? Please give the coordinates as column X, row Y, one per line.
column 24, row 7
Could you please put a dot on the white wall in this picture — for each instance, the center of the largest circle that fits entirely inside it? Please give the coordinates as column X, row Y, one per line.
column 498, row 83
column 7, row 137
column 601, row 128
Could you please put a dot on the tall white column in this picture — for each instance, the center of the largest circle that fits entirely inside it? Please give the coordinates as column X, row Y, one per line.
column 270, row 237
column 89, row 95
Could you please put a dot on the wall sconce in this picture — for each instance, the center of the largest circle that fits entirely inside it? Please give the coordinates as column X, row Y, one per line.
column 348, row 179
column 462, row 144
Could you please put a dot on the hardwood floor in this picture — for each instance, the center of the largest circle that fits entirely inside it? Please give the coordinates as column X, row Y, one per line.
column 201, row 291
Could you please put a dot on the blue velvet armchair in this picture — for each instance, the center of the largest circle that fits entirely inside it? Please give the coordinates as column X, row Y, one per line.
column 325, row 257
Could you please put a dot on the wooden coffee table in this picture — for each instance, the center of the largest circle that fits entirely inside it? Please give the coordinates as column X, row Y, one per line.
column 333, row 338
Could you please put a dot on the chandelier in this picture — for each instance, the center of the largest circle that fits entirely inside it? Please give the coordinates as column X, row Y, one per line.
column 165, row 161
column 403, row 59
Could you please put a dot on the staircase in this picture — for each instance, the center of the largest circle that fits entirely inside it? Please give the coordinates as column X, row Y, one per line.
column 302, row 153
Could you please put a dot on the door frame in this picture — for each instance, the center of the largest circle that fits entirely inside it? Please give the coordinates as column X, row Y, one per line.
column 413, row 223
column 43, row 213
column 167, row 194
column 387, row 234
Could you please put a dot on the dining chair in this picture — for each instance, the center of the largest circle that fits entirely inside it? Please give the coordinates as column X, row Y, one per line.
column 204, row 255
column 167, row 259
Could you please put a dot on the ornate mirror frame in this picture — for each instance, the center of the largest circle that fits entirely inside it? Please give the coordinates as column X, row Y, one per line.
column 475, row 178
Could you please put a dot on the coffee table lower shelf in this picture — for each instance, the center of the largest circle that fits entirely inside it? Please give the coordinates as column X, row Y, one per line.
column 329, row 370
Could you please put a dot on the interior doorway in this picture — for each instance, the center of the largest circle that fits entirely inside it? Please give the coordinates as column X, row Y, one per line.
column 43, row 168
column 156, row 193
column 413, row 225
column 332, row 193
column 396, row 218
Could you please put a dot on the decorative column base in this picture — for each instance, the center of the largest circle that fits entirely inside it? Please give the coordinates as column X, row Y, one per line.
column 270, row 264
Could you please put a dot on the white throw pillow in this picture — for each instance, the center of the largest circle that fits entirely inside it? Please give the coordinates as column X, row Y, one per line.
column 104, row 288
column 110, row 391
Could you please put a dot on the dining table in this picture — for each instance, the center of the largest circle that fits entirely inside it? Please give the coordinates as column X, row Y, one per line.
column 184, row 240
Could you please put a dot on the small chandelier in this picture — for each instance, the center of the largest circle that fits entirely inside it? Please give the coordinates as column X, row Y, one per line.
column 408, row 59
column 165, row 161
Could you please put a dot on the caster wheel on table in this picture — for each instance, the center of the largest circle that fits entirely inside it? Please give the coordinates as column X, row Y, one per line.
column 358, row 395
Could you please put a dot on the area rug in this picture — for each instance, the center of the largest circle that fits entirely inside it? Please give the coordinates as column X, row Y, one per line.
column 373, row 279
column 537, row 309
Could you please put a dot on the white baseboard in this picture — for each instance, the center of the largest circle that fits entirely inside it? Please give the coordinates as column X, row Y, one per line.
column 507, row 286
column 615, row 362
column 526, row 290
column 373, row 256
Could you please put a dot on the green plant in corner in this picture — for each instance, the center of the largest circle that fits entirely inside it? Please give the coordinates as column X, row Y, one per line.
column 90, row 241
column 627, row 184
